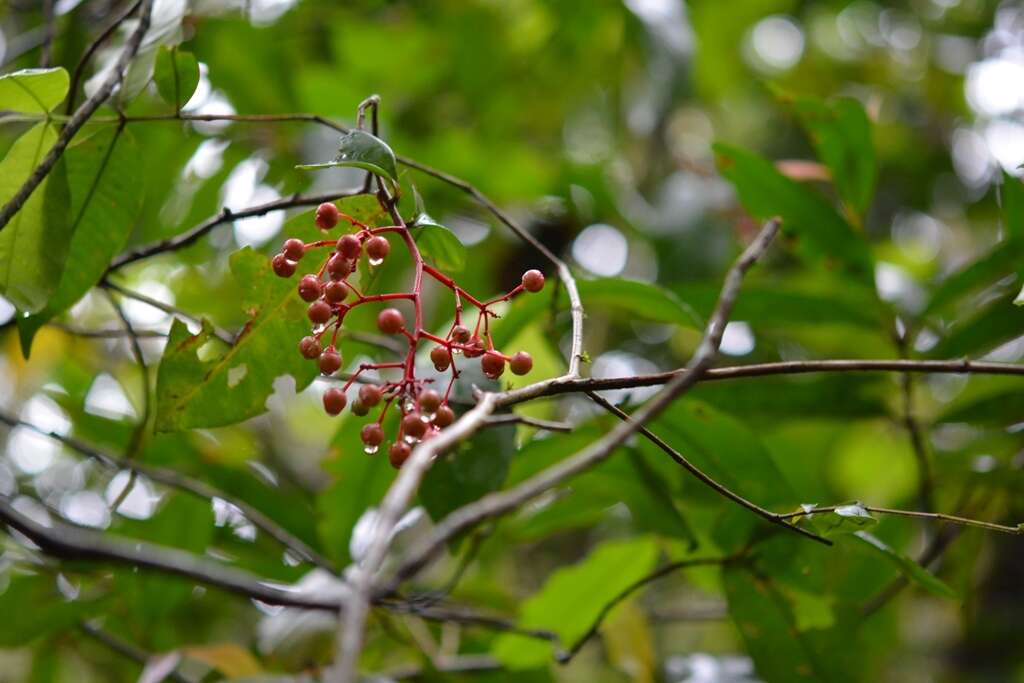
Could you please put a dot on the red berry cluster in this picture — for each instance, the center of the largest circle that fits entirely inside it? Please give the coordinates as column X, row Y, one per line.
column 331, row 295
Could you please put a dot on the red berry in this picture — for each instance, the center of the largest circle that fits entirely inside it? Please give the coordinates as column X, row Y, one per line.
column 533, row 281
column 335, row 291
column 359, row 408
column 293, row 249
column 413, row 426
column 429, row 401
column 399, row 453
column 330, row 361
column 377, row 248
column 369, row 394
column 338, row 268
column 282, row 266
column 439, row 357
column 492, row 364
column 444, row 417
column 520, row 363
column 319, row 312
column 460, row 334
column 309, row 288
column 390, row 321
column 474, row 349
column 372, row 434
column 349, row 246
column 334, row 401
column 309, row 347
column 326, row 216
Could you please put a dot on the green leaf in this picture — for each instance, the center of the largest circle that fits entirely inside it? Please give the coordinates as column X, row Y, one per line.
column 33, row 91
column 1003, row 260
column 1004, row 407
column 176, row 74
column 638, row 299
column 907, row 566
column 998, row 322
column 1012, row 191
column 845, row 519
column 841, row 134
column 799, row 398
column 34, row 245
column 34, row 608
column 439, row 244
column 778, row 306
column 478, row 467
column 771, row 629
column 234, row 384
column 766, row 193
column 572, row 598
column 103, row 174
column 360, row 149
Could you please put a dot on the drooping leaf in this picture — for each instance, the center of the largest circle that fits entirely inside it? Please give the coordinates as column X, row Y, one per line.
column 176, row 74
column 360, row 149
column 572, row 598
column 103, row 174
column 33, row 91
column 781, row 650
column 34, row 244
column 438, row 244
column 641, row 299
column 35, row 608
column 233, row 384
column 907, row 566
column 766, row 193
column 841, row 134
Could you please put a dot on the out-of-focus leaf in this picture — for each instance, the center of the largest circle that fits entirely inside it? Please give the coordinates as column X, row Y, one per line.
column 234, row 384
column 841, row 134
column 801, row 398
column 765, row 618
column 637, row 299
column 103, row 174
column 782, row 307
column 1004, row 407
column 34, row 607
column 439, row 244
column 233, row 661
column 766, row 193
column 33, row 91
column 572, row 598
column 630, row 642
column 34, row 244
column 1004, row 259
column 907, row 566
column 1013, row 206
column 845, row 519
column 997, row 323
column 360, row 149
column 176, row 75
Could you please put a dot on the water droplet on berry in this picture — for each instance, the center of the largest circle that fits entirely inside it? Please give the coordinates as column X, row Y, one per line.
column 408, row 406
column 375, row 261
column 409, row 439
column 370, row 450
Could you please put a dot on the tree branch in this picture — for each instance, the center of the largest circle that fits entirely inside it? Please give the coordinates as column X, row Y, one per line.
column 499, row 503
column 221, row 334
column 124, row 648
column 82, row 115
column 76, row 77
column 938, row 516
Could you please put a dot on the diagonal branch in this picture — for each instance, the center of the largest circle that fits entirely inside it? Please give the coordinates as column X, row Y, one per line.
column 500, row 503
column 124, row 648
column 78, row 120
column 703, row 477
column 937, row 516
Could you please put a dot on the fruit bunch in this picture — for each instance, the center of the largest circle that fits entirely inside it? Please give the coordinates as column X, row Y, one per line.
column 331, row 295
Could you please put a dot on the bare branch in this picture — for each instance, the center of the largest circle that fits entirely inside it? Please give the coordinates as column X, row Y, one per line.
column 938, row 516
column 499, row 503
column 82, row 114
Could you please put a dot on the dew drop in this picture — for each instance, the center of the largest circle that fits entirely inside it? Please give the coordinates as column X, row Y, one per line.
column 409, row 439
column 370, row 450
column 375, row 261
column 425, row 419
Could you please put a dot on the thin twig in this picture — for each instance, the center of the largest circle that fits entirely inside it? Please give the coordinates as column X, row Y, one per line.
column 49, row 23
column 503, row 502
column 124, row 648
column 938, row 516
column 175, row 479
column 76, row 77
column 703, row 477
column 914, row 431
column 515, row 418
column 221, row 334
column 81, row 115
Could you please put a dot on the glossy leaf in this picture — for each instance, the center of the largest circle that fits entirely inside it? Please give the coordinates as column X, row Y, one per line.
column 34, row 245
column 845, row 519
column 103, row 174
column 33, row 91
column 841, row 134
column 438, row 244
column 907, row 566
column 360, row 149
column 233, row 383
column 766, row 193
column 572, row 598
column 176, row 74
